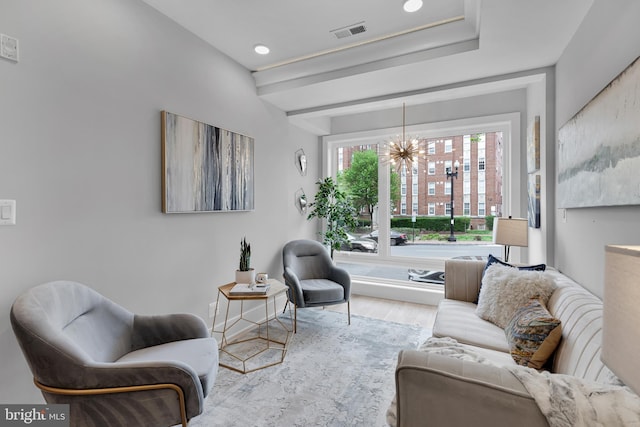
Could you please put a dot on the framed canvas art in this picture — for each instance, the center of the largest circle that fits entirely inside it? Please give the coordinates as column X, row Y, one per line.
column 205, row 168
column 533, row 187
column 599, row 148
column 533, row 145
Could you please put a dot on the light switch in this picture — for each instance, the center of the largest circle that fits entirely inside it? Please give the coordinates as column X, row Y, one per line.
column 7, row 212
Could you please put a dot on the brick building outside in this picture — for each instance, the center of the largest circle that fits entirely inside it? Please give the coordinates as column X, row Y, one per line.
column 425, row 189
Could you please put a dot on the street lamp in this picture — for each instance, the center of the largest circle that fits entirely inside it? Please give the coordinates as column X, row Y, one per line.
column 451, row 175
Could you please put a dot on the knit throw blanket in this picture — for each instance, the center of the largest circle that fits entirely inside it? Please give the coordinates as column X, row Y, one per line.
column 565, row 401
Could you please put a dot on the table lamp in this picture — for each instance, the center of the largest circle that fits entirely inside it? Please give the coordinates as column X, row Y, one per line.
column 621, row 313
column 510, row 232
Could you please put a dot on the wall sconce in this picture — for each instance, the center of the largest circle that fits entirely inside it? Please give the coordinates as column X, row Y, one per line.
column 510, row 232
column 300, row 201
column 300, row 159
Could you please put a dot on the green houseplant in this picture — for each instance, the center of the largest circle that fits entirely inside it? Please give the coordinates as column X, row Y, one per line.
column 244, row 273
column 333, row 205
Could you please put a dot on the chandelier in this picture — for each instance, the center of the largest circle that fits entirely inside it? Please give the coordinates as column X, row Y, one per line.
column 403, row 151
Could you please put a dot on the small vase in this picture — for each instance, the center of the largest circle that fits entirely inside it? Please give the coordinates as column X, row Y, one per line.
column 246, row 276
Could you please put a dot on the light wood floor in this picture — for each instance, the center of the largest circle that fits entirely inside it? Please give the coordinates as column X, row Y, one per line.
column 393, row 311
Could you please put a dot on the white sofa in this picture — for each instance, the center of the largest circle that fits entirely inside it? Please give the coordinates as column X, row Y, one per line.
column 436, row 390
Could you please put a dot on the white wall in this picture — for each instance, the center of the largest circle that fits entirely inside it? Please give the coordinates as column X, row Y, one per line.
column 604, row 45
column 80, row 152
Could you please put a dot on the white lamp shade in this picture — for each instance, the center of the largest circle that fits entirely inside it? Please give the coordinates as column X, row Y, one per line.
column 621, row 318
column 511, row 231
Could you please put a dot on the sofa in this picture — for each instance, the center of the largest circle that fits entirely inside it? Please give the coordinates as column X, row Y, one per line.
column 436, row 390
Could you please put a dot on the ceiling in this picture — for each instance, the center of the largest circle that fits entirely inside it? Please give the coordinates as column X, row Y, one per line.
column 322, row 64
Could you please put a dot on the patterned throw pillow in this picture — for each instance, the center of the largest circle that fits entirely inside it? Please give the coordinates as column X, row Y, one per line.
column 533, row 335
column 506, row 289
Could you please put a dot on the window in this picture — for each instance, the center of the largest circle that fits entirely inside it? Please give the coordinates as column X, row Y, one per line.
column 448, row 145
column 481, row 164
column 399, row 196
column 481, row 211
column 447, row 166
column 431, row 170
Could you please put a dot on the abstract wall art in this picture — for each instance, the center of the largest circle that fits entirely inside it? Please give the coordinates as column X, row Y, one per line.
column 599, row 148
column 205, row 168
column 533, row 145
column 533, row 187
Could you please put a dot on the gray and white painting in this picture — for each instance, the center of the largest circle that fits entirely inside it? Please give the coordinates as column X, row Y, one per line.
column 599, row 148
column 205, row 168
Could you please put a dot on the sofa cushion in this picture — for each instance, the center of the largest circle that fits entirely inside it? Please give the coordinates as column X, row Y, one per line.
column 458, row 320
column 533, row 335
column 505, row 289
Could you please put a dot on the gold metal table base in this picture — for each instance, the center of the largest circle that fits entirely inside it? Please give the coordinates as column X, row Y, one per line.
column 262, row 344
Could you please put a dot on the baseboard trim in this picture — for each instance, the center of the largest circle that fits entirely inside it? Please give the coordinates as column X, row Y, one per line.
column 397, row 292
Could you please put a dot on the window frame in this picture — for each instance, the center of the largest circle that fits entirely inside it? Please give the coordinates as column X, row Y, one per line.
column 514, row 201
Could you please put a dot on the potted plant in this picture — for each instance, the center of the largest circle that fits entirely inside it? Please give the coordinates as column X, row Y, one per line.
column 244, row 273
column 334, row 206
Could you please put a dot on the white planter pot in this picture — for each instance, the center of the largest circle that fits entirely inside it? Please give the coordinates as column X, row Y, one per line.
column 246, row 276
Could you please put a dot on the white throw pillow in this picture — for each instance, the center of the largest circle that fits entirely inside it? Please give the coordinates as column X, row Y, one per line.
column 505, row 289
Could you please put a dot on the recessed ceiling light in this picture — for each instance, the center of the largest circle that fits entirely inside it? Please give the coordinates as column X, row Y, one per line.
column 261, row 49
column 412, row 5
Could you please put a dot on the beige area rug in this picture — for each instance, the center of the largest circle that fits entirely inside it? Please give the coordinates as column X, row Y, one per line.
column 333, row 375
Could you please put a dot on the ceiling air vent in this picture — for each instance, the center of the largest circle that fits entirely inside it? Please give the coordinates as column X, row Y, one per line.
column 349, row 30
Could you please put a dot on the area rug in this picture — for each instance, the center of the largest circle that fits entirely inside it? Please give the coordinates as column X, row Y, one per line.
column 333, row 375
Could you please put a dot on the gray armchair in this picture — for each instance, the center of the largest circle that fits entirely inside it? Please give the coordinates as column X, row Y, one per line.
column 113, row 367
column 312, row 278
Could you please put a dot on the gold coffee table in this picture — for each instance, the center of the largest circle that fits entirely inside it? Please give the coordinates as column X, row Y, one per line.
column 253, row 339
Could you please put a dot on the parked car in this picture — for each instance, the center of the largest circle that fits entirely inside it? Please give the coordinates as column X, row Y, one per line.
column 359, row 244
column 396, row 237
column 426, row 276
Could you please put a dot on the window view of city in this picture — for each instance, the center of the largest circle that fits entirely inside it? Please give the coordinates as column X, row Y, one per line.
column 442, row 201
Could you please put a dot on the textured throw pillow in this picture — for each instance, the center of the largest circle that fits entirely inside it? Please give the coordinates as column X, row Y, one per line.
column 533, row 335
column 505, row 289
column 491, row 260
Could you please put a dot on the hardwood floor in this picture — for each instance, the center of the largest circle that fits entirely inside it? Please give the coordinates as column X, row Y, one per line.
column 393, row 311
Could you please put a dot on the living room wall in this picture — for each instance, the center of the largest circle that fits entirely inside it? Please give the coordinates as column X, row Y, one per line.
column 80, row 152
column 604, row 45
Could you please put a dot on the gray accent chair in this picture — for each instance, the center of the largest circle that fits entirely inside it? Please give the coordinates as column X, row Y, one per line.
column 113, row 367
column 312, row 278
